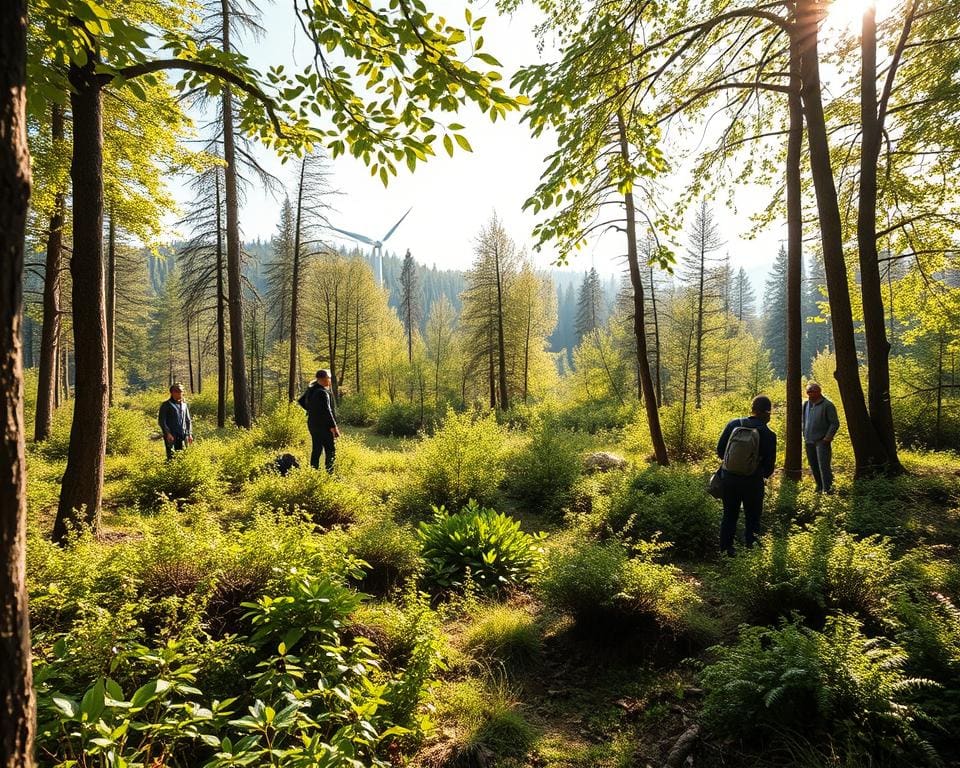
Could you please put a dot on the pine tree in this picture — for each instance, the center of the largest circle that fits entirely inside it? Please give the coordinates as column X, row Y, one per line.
column 411, row 301
column 591, row 313
column 818, row 334
column 744, row 299
column 775, row 317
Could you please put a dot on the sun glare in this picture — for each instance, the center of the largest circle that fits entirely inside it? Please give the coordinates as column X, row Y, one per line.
column 848, row 14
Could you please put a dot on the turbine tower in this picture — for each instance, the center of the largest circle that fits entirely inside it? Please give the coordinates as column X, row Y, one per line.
column 377, row 244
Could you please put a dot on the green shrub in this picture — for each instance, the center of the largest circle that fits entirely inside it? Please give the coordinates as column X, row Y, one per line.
column 243, row 459
column 284, row 427
column 464, row 459
column 126, row 432
column 399, row 420
column 599, row 584
column 359, row 410
column 692, row 434
column 390, row 550
column 670, row 504
column 203, row 405
column 503, row 633
column 313, row 492
column 837, row 687
column 487, row 545
column 815, row 573
column 593, row 417
column 543, row 473
column 188, row 477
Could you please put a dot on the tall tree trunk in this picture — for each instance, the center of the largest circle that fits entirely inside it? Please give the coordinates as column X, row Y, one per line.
column 639, row 318
column 698, row 359
column 501, row 343
column 868, row 451
column 190, row 355
column 295, row 291
column 47, row 383
column 199, row 357
column 874, row 319
column 111, row 301
column 221, row 319
column 241, row 397
column 357, row 337
column 81, row 490
column 658, row 381
column 17, row 710
column 792, row 466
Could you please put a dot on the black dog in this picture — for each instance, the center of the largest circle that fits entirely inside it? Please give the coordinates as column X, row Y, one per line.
column 283, row 464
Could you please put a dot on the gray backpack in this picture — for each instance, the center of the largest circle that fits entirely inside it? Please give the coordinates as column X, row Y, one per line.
column 742, row 456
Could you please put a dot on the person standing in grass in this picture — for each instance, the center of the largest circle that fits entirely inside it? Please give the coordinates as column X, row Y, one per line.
column 748, row 448
column 318, row 403
column 175, row 422
column 820, row 424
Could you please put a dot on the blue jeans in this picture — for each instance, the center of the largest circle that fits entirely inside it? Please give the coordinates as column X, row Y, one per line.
column 819, row 456
column 737, row 491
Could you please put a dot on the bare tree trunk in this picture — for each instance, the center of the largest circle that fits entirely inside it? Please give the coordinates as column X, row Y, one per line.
column 868, row 450
column 792, row 466
column 199, row 358
column 221, row 319
column 874, row 320
column 190, row 355
column 111, row 301
column 82, row 486
column 501, row 343
column 698, row 359
column 47, row 386
column 939, row 421
column 241, row 397
column 639, row 320
column 658, row 381
column 295, row 291
column 17, row 709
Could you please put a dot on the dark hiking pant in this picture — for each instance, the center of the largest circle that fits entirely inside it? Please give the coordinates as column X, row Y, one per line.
column 819, row 456
column 176, row 445
column 323, row 442
column 748, row 493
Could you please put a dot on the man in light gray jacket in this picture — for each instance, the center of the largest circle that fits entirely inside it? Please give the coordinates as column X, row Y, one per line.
column 820, row 424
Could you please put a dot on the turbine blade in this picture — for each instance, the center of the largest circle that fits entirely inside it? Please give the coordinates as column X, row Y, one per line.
column 354, row 235
column 393, row 229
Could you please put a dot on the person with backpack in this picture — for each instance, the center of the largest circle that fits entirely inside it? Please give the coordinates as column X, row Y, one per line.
column 748, row 448
column 820, row 424
column 318, row 403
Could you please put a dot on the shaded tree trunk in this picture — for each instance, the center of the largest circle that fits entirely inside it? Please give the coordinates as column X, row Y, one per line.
column 792, row 466
column 241, row 396
column 874, row 319
column 111, row 301
column 869, row 454
column 295, row 291
column 82, row 486
column 639, row 324
column 17, row 709
column 658, row 380
column 501, row 343
column 190, row 356
column 47, row 385
column 199, row 358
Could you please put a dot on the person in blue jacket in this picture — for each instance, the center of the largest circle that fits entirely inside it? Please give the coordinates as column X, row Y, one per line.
column 321, row 421
column 175, row 422
column 747, row 490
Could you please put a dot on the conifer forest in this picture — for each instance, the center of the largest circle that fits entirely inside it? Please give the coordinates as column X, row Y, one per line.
column 633, row 441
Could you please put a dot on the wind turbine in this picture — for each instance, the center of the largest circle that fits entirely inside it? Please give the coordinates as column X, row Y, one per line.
column 377, row 244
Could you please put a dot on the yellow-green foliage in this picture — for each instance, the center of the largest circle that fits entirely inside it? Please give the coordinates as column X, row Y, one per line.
column 464, row 459
column 390, row 550
column 313, row 492
column 189, row 477
column 284, row 427
column 502, row 633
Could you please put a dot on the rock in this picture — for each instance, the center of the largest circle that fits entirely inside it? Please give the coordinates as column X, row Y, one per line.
column 602, row 461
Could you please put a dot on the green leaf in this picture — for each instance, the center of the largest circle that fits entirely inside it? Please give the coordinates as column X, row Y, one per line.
column 448, row 144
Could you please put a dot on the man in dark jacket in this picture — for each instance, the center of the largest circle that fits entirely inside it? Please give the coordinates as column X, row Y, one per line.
column 746, row 490
column 317, row 402
column 175, row 422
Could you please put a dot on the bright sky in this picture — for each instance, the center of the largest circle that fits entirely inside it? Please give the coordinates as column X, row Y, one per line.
column 453, row 197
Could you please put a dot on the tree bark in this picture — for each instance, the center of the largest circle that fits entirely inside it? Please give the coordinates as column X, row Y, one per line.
column 50, row 333
column 658, row 381
column 17, row 709
column 639, row 318
column 221, row 319
column 868, row 451
column 295, row 291
column 82, row 486
column 874, row 317
column 241, row 395
column 111, row 301
column 792, row 466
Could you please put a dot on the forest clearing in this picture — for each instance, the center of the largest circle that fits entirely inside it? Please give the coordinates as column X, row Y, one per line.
column 644, row 453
